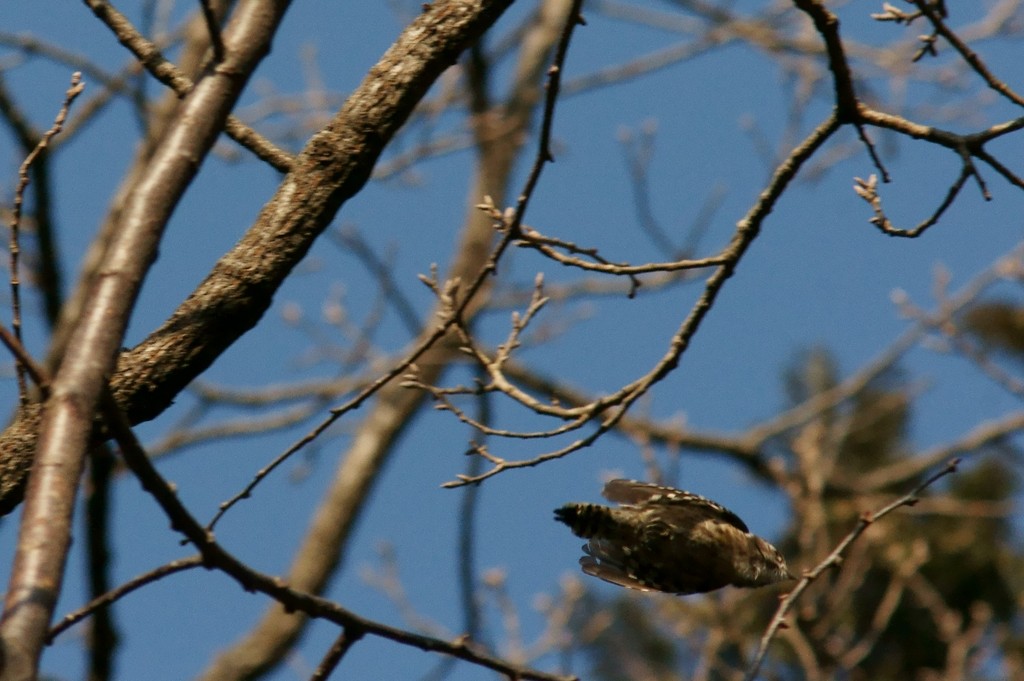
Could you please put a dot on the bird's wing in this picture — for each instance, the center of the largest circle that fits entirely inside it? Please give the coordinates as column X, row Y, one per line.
column 611, row 573
column 637, row 493
column 631, row 491
column 604, row 560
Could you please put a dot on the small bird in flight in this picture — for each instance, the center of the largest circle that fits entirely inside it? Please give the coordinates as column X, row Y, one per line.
column 665, row 539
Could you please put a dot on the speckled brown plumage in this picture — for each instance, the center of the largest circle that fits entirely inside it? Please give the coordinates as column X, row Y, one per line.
column 665, row 539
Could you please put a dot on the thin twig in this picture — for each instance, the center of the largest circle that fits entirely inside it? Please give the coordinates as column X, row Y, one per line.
column 612, row 408
column 969, row 56
column 834, row 559
column 167, row 73
column 76, row 88
column 332, row 657
column 213, row 28
column 215, row 556
column 466, row 295
column 76, row 616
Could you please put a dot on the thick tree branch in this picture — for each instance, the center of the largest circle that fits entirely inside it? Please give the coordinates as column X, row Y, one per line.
column 66, row 427
column 322, row 548
column 332, row 168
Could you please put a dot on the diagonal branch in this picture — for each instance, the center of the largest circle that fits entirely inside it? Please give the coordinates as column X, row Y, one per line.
column 159, row 67
column 333, row 167
column 322, row 549
column 612, row 408
column 65, row 430
column 215, row 556
column 834, row 559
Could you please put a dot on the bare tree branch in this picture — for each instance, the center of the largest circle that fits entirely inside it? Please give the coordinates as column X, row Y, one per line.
column 65, row 430
column 334, row 167
column 835, row 559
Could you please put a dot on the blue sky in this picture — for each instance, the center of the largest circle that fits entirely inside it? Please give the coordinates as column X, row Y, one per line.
column 818, row 275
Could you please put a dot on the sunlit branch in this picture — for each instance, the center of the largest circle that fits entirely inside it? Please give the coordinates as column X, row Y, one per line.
column 832, row 560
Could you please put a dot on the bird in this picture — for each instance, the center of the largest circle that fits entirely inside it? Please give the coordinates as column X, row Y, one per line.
column 666, row 539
